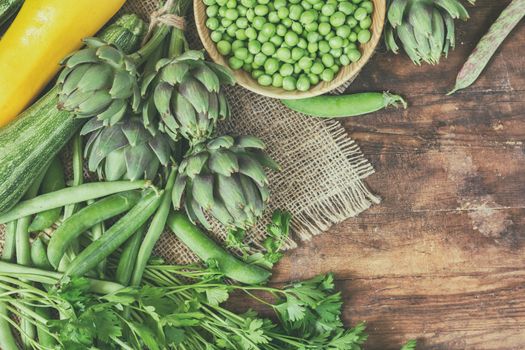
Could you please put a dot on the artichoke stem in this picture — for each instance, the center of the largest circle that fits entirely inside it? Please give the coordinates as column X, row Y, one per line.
column 157, row 39
column 178, row 43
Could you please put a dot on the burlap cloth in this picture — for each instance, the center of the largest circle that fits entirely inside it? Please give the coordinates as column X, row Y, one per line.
column 321, row 182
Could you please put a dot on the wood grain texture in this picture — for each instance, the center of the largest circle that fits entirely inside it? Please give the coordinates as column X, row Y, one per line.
column 442, row 258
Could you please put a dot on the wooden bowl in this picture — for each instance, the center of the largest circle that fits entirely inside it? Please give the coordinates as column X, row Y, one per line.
column 345, row 73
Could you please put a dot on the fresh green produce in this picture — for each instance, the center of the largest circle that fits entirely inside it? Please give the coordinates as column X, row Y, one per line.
column 28, row 144
column 208, row 250
column 77, row 164
column 70, row 195
column 345, row 105
column 290, row 44
column 115, row 236
column 9, row 8
column 487, row 46
column 125, row 30
column 99, row 81
column 39, row 255
column 53, row 181
column 224, row 177
column 125, row 150
column 184, row 96
column 86, row 218
column 128, row 257
column 425, row 28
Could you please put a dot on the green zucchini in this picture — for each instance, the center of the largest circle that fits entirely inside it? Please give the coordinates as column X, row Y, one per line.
column 126, row 30
column 8, row 9
column 29, row 143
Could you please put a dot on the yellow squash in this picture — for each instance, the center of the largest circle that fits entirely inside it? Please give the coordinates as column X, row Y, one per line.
column 43, row 33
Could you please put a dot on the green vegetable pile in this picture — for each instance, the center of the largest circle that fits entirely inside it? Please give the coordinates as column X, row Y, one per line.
column 290, row 44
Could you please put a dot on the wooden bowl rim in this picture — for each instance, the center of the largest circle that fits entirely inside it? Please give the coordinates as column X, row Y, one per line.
column 245, row 80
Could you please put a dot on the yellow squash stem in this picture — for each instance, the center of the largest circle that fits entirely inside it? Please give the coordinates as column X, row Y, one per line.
column 43, row 33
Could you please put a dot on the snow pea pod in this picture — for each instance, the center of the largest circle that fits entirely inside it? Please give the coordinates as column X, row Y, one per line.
column 345, row 105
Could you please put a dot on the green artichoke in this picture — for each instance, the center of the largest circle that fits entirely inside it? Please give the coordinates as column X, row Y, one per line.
column 99, row 81
column 425, row 28
column 125, row 150
column 224, row 178
column 183, row 96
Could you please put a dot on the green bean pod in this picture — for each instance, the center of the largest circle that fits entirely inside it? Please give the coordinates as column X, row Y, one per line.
column 70, row 195
column 78, row 171
column 9, row 249
column 128, row 257
column 39, row 255
column 7, row 340
column 206, row 249
column 53, row 181
column 345, row 105
column 86, row 218
column 44, row 338
column 116, row 235
column 154, row 231
column 487, row 46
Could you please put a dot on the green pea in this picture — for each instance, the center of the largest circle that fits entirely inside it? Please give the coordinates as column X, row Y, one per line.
column 271, row 65
column 258, row 22
column 294, row 1
column 328, row 9
column 356, row 1
column 344, row 60
column 254, row 47
column 337, row 19
column 240, row 34
column 297, row 53
column 354, row 55
column 346, row 42
column 324, row 47
column 283, row 53
column 222, row 2
column 209, row 2
column 263, row 38
column 317, row 68
column 365, row 23
column 347, row 8
column 314, row 79
column 343, row 31
column 256, row 73
column 250, row 33
column 313, row 37
column 303, row 83
column 351, row 46
column 318, row 6
column 308, row 17
column 250, row 15
column 277, row 80
column 311, row 27
column 222, row 11
column 360, row 14
column 242, row 22
column 212, row 23
column 368, row 6
column 297, row 28
column 289, row 83
column 291, row 38
column 226, row 37
column 237, row 44
column 235, row 63
column 324, row 19
column 212, row 11
column 259, row 59
column 281, row 30
column 336, row 42
column 327, row 75
column 241, row 53
column 268, row 29
column 215, row 36
column 279, row 3
column 296, row 69
column 286, row 69
column 295, row 12
column 306, row 5
column 231, row 4
column 329, row 36
column 352, row 22
column 248, row 3
column 303, row 44
column 261, row 10
column 335, row 68
column 305, row 63
column 276, row 40
column 364, row 36
column 324, row 28
column 273, row 17
column 263, row 2
column 357, row 29
column 242, row 11
column 232, row 14
column 267, row 48
column 249, row 59
column 231, row 30
column 336, row 52
column 264, row 80
column 352, row 37
column 312, row 47
column 225, row 22
column 327, row 59
column 224, row 47
column 287, row 22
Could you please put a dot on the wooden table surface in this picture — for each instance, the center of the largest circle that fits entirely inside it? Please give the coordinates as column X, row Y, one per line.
column 442, row 258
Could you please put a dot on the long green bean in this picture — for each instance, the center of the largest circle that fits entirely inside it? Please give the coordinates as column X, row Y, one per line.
column 70, row 195
column 128, row 257
column 78, row 171
column 9, row 249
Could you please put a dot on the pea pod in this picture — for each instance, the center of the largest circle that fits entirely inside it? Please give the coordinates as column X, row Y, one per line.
column 115, row 236
column 53, row 181
column 78, row 171
column 8, row 251
column 128, row 257
column 487, row 46
column 70, row 195
column 206, row 249
column 39, row 255
column 345, row 105
column 86, row 218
